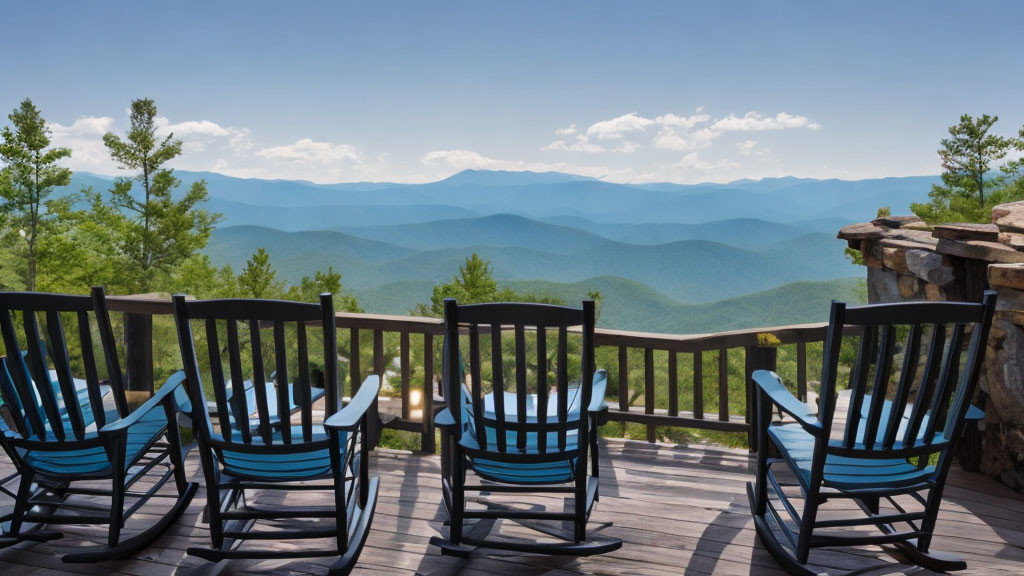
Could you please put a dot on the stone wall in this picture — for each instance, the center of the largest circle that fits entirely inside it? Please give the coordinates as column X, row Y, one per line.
column 908, row 260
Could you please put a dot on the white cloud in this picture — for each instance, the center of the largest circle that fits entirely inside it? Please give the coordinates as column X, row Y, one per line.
column 677, row 132
column 466, row 160
column 581, row 143
column 754, row 121
column 692, row 162
column 668, row 139
column 628, row 147
column 616, row 127
column 684, row 122
column 240, row 142
column 746, row 147
column 83, row 126
column 571, row 129
column 85, row 139
column 204, row 128
column 308, row 151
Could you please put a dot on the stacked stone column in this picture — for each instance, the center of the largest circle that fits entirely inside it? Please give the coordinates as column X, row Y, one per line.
column 908, row 260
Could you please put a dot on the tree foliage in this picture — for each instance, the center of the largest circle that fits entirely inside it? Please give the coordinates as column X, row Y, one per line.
column 31, row 172
column 157, row 232
column 259, row 280
column 971, row 185
column 475, row 284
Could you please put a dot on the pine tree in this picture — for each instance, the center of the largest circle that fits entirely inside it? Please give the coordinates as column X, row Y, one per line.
column 259, row 279
column 158, row 233
column 969, row 187
column 30, row 174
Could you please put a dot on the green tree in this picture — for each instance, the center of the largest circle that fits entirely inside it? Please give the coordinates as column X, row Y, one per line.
column 30, row 174
column 259, row 279
column 475, row 284
column 969, row 188
column 157, row 231
column 309, row 290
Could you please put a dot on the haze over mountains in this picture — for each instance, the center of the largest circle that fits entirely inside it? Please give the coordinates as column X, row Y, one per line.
column 666, row 257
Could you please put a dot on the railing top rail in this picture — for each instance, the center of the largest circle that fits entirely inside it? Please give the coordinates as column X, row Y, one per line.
column 695, row 342
column 390, row 323
column 160, row 304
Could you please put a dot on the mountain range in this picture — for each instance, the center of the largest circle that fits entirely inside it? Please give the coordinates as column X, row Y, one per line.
column 665, row 256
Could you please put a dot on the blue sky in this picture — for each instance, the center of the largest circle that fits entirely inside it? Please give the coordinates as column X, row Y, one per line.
column 627, row 91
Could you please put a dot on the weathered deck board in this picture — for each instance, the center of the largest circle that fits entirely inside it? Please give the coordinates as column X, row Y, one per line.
column 679, row 510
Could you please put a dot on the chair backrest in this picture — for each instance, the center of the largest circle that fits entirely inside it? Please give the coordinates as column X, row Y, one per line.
column 226, row 326
column 35, row 335
column 560, row 409
column 912, row 406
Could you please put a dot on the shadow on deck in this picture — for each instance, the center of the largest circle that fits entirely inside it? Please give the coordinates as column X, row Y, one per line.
column 679, row 510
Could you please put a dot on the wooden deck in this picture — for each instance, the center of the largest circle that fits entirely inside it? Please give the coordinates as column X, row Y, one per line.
column 679, row 510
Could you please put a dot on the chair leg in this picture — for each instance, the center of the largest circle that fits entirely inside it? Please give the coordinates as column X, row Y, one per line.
column 340, row 506
column 174, row 440
column 458, row 496
column 116, row 507
column 931, row 515
column 21, row 504
column 580, row 522
column 803, row 547
column 871, row 504
column 212, row 479
column 764, row 411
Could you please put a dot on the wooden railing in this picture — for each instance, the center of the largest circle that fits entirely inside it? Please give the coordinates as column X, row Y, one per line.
column 721, row 344
column 413, row 408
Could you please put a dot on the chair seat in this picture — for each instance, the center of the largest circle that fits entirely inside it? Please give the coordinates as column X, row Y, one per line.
column 512, row 409
column 553, row 472
column 93, row 461
column 305, row 460
column 540, row 473
column 797, row 447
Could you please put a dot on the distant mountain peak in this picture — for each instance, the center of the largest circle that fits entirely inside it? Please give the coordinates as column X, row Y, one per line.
column 511, row 178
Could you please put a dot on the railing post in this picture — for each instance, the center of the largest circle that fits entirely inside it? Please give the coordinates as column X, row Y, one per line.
column 138, row 345
column 376, row 425
column 427, row 443
column 623, row 379
column 764, row 356
column 403, row 354
column 649, row 390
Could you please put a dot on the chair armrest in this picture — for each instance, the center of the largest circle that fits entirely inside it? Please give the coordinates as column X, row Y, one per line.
column 598, row 388
column 166, row 391
column 444, row 419
column 771, row 385
column 348, row 417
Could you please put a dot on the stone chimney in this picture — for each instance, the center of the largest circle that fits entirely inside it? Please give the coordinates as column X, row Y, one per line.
column 908, row 260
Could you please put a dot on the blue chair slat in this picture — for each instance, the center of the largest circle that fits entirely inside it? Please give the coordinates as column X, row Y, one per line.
column 973, row 414
column 306, row 461
column 797, row 447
